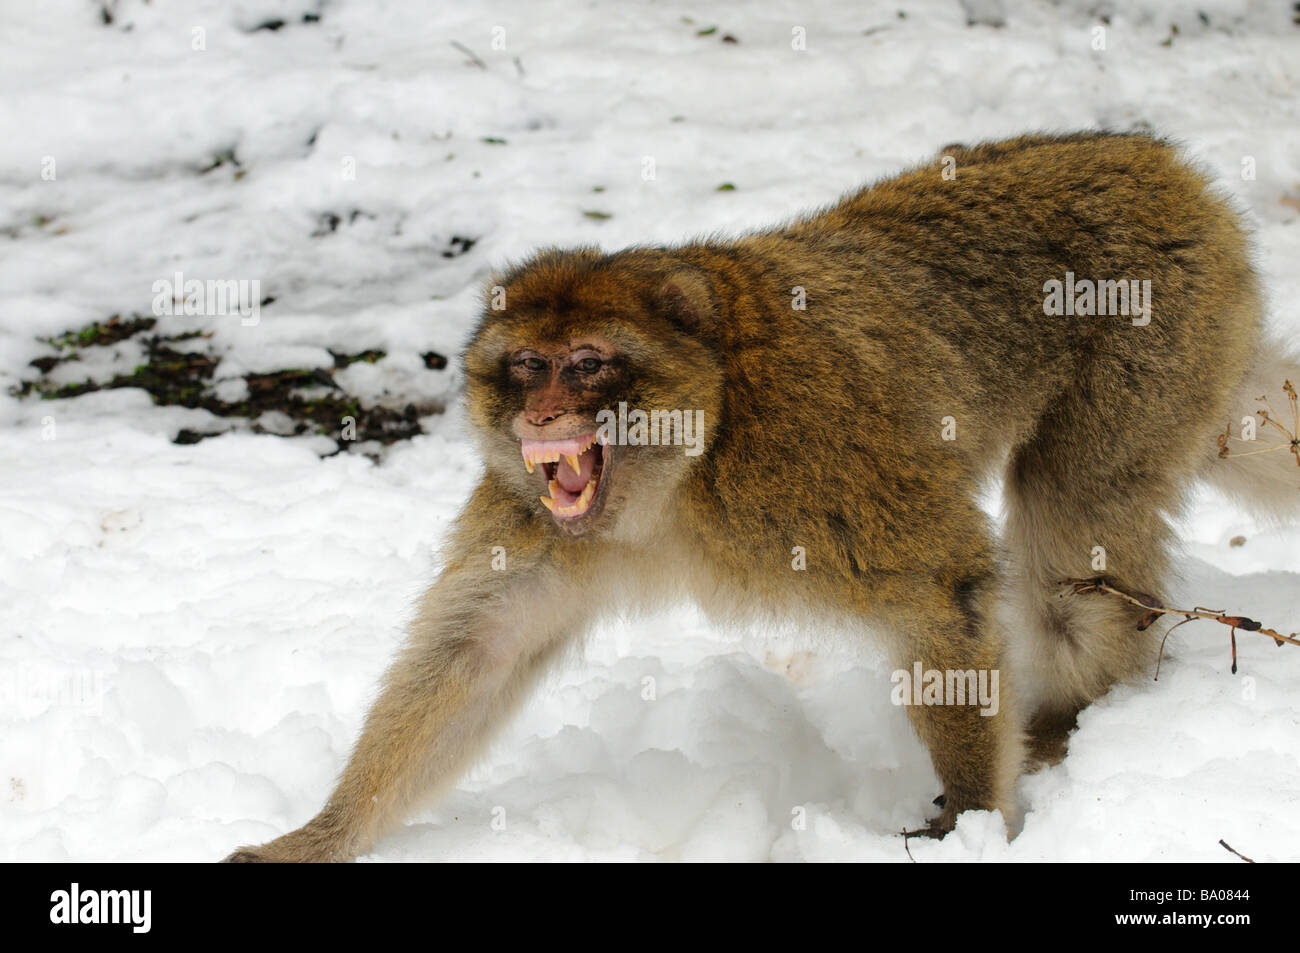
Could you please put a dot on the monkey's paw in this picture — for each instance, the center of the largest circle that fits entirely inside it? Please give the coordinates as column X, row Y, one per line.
column 246, row 855
column 937, row 827
column 935, row 830
column 311, row 844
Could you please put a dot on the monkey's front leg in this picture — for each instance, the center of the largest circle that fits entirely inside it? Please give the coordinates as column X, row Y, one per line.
column 975, row 736
column 463, row 669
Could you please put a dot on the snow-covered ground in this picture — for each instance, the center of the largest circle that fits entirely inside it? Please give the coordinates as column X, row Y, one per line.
column 189, row 635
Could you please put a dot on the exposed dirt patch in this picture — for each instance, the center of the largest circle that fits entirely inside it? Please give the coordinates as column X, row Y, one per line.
column 311, row 398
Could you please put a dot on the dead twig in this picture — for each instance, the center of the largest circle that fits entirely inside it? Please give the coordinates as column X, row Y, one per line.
column 473, row 57
column 1155, row 609
column 1225, row 846
column 1268, row 416
column 907, row 835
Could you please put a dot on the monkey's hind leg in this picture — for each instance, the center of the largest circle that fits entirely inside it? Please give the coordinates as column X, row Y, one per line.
column 1083, row 507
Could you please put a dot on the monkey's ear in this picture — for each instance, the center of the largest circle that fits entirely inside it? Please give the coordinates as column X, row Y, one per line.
column 684, row 299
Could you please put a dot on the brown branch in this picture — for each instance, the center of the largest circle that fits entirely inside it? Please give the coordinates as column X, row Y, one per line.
column 1268, row 416
column 473, row 57
column 1224, row 844
column 1155, row 609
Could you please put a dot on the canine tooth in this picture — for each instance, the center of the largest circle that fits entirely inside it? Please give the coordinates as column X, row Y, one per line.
column 553, row 486
column 572, row 460
column 548, row 503
column 528, row 465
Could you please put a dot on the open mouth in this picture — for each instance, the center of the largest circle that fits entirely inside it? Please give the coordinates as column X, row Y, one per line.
column 573, row 469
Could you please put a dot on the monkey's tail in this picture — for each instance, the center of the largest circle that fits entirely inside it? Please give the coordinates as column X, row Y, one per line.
column 1267, row 484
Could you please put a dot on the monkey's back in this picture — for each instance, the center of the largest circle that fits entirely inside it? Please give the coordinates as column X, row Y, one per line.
column 949, row 275
column 859, row 330
column 969, row 257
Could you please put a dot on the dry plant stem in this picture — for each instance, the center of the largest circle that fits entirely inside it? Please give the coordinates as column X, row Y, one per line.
column 1156, row 610
column 1226, row 846
column 1269, row 417
column 474, row 57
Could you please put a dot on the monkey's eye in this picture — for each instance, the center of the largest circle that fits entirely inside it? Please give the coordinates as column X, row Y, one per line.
column 531, row 363
column 588, row 365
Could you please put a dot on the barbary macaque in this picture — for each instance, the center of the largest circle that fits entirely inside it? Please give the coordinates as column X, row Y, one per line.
column 852, row 380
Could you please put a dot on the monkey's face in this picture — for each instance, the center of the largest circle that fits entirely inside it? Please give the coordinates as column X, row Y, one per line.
column 564, row 386
column 554, row 374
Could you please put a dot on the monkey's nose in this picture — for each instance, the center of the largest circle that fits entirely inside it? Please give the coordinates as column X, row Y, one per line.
column 539, row 418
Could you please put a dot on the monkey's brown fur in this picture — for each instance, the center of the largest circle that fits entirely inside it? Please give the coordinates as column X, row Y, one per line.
column 825, row 426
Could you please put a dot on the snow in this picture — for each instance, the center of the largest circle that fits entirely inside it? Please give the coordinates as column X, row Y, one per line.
column 189, row 635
